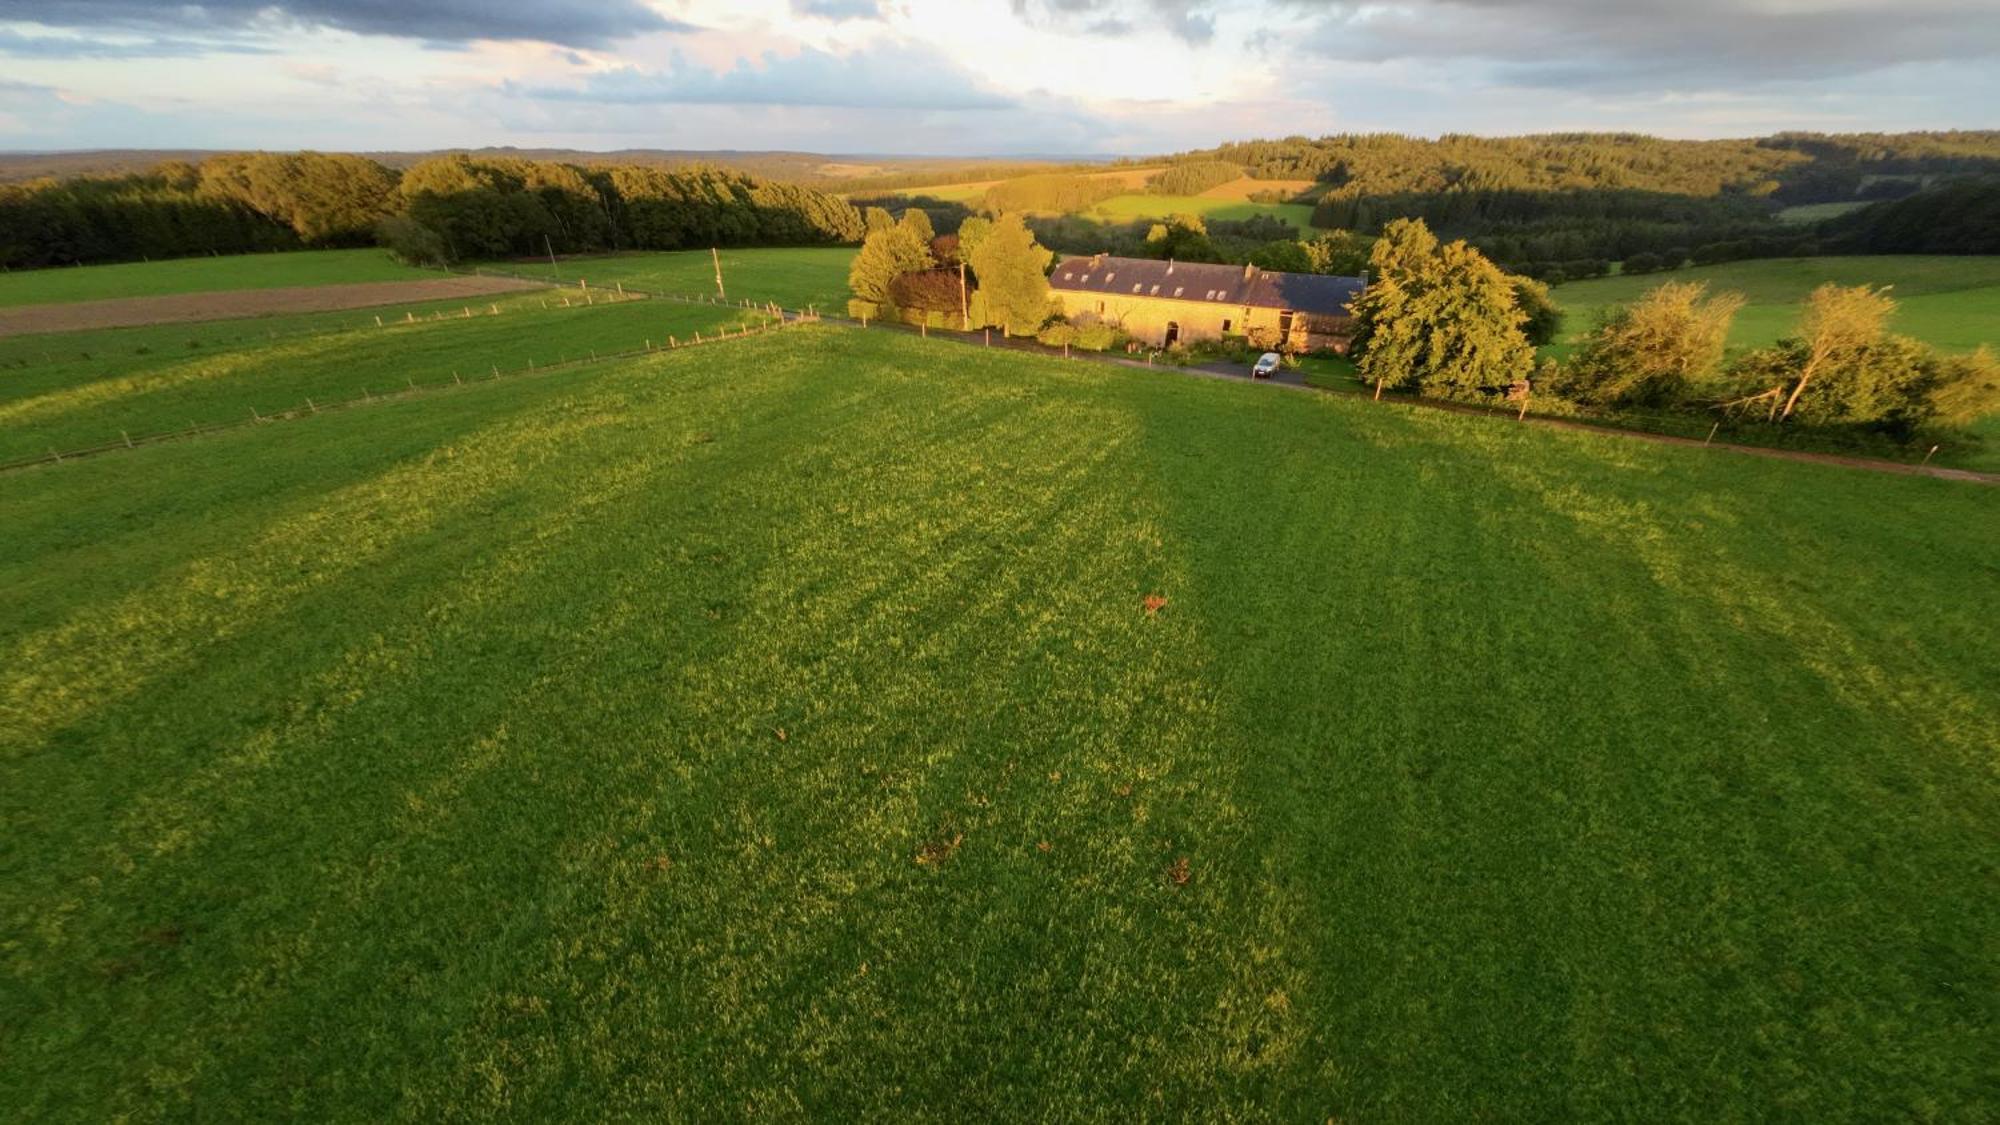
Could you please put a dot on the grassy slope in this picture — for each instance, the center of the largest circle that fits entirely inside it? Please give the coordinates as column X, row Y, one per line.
column 1953, row 302
column 1816, row 212
column 198, row 275
column 77, row 390
column 1125, row 208
column 793, row 277
column 567, row 747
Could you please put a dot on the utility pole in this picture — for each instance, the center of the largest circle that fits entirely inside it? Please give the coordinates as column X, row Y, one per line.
column 964, row 309
column 551, row 247
column 714, row 254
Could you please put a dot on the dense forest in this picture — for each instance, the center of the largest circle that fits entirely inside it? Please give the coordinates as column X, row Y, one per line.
column 443, row 208
column 1788, row 167
column 1958, row 218
column 1549, row 205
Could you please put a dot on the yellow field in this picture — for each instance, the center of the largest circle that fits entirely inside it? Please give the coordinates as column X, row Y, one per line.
column 1246, row 187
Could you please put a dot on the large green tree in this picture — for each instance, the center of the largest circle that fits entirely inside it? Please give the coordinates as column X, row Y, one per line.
column 1441, row 318
column 1013, row 276
column 1838, row 326
column 918, row 222
column 1655, row 351
column 886, row 255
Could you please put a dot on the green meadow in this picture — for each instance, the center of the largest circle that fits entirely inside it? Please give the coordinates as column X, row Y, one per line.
column 1948, row 301
column 82, row 389
column 1125, row 208
column 201, row 275
column 793, row 277
column 1818, row 212
column 836, row 724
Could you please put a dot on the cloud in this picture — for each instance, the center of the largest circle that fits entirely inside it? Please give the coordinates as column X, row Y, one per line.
column 1184, row 19
column 18, row 45
column 839, row 10
column 1631, row 44
column 883, row 78
column 570, row 23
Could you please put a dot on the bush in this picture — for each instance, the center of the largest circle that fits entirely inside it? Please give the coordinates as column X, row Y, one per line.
column 1056, row 335
column 1101, row 337
column 411, row 242
column 1643, row 263
column 859, row 309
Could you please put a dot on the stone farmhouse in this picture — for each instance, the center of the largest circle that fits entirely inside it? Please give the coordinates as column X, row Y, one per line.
column 1163, row 303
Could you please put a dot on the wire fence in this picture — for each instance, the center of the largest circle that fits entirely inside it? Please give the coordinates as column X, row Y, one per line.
column 1729, row 432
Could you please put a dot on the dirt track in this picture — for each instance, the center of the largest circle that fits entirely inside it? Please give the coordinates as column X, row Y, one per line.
column 126, row 312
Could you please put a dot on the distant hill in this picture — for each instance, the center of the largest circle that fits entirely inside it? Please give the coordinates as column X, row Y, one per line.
column 845, row 170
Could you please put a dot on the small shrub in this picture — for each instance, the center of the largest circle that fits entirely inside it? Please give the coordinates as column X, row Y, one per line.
column 1100, row 337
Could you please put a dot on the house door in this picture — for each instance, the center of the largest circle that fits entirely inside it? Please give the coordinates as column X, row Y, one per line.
column 1173, row 334
column 1285, row 329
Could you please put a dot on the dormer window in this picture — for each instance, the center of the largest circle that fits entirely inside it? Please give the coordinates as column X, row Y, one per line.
column 1177, row 290
column 1141, row 285
column 1108, row 277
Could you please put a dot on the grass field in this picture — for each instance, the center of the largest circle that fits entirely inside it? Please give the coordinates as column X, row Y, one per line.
column 791, row 737
column 973, row 193
column 201, row 275
column 793, row 277
column 1125, row 208
column 77, row 390
column 1816, row 212
column 1951, row 302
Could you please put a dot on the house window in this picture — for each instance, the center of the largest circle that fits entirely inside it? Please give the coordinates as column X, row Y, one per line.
column 1100, row 306
column 1155, row 292
column 1177, row 290
column 1208, row 296
column 1222, row 294
column 1069, row 277
column 1085, row 281
column 1225, row 324
column 1136, row 288
column 1108, row 277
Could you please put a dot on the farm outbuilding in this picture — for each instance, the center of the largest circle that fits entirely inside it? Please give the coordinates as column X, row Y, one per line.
column 1166, row 302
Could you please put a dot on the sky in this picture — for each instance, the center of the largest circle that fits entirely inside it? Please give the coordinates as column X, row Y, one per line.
column 973, row 77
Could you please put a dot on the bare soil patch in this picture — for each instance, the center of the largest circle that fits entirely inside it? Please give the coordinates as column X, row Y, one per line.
column 126, row 312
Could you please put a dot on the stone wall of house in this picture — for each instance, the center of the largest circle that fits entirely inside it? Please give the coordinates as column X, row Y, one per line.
column 1146, row 319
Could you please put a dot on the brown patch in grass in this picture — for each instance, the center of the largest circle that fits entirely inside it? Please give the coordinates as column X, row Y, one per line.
column 1178, row 872
column 122, row 312
column 939, row 848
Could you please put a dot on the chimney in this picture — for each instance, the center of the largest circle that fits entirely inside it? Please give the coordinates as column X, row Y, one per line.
column 1170, row 266
column 1249, row 271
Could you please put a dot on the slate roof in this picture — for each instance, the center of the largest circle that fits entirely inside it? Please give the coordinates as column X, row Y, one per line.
column 1208, row 282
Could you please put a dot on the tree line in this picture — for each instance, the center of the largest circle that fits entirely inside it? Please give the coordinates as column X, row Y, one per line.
column 991, row 273
column 1442, row 319
column 441, row 209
